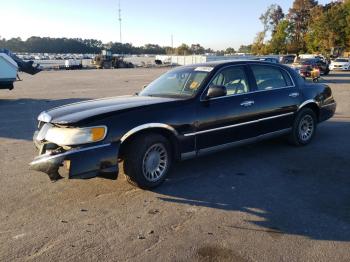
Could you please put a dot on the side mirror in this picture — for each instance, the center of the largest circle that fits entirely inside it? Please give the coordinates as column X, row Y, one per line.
column 216, row 91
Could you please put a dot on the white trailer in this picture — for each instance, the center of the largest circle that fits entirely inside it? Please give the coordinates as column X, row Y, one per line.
column 8, row 71
column 10, row 64
column 73, row 64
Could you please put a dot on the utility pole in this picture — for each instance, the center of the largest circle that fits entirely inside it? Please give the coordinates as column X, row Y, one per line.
column 120, row 23
column 172, row 44
column 172, row 50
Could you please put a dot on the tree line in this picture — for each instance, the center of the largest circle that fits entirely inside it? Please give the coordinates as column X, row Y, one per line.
column 36, row 44
column 308, row 27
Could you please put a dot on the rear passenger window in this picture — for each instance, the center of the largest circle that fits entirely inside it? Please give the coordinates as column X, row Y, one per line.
column 268, row 77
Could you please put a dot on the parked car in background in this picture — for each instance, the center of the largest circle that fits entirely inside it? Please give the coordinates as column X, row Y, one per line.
column 287, row 59
column 187, row 112
column 268, row 59
column 307, row 68
column 311, row 64
column 340, row 64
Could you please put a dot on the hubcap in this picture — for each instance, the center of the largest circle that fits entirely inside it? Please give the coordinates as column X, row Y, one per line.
column 306, row 128
column 155, row 162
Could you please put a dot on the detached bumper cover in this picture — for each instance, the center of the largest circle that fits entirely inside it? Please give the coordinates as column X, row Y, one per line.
column 85, row 162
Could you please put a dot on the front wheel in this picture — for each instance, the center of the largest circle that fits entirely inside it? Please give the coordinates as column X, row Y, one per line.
column 304, row 127
column 147, row 160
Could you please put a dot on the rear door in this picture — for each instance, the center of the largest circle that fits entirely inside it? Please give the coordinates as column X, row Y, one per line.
column 276, row 97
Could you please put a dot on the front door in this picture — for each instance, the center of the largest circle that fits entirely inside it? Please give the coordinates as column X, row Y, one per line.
column 228, row 119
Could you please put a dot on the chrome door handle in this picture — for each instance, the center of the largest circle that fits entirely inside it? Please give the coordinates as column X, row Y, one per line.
column 247, row 103
column 294, row 94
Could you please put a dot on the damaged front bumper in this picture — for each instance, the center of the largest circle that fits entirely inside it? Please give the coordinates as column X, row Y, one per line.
column 83, row 162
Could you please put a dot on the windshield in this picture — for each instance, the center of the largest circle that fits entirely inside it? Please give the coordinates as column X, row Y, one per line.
column 341, row 60
column 183, row 82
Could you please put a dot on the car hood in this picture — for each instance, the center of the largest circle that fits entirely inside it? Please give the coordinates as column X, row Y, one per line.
column 73, row 113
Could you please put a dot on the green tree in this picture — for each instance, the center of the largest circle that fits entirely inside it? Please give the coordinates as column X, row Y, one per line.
column 271, row 18
column 183, row 50
column 259, row 47
column 328, row 28
column 197, row 49
column 245, row 49
column 279, row 40
column 299, row 16
column 230, row 51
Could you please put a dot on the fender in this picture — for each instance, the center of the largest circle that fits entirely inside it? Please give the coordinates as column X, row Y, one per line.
column 148, row 126
column 309, row 101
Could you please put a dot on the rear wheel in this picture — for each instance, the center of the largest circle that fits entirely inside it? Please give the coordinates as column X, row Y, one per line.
column 304, row 127
column 147, row 160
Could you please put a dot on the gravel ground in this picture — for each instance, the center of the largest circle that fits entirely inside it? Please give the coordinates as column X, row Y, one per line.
column 262, row 202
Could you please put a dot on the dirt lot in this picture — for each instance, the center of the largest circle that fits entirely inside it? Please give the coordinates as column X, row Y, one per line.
column 263, row 202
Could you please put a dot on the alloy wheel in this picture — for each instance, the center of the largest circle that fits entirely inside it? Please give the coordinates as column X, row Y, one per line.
column 155, row 162
column 306, row 128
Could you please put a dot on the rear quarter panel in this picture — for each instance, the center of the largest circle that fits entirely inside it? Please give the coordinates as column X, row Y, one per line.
column 320, row 94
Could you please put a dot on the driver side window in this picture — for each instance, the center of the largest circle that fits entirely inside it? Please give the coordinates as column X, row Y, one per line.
column 234, row 79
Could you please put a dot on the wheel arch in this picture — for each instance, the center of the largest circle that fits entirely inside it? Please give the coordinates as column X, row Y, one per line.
column 313, row 105
column 155, row 128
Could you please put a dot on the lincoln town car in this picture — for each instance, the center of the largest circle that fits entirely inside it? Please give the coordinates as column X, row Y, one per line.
column 185, row 113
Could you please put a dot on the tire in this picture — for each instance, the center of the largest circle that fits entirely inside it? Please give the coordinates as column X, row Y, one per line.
column 304, row 127
column 147, row 160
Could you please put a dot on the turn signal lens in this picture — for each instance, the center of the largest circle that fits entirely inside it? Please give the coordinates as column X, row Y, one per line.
column 98, row 133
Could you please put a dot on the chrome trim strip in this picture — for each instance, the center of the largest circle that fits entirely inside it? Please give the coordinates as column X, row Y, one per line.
column 309, row 101
column 49, row 157
column 147, row 126
column 240, row 124
column 331, row 104
column 242, row 142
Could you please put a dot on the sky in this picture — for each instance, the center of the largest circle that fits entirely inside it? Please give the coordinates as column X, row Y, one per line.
column 217, row 24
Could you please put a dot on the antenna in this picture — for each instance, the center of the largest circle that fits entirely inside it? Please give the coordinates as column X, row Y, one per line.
column 120, row 23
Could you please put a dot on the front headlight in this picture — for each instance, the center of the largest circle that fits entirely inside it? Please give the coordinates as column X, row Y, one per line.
column 76, row 136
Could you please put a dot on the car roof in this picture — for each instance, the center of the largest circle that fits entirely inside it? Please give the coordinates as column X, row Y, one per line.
column 221, row 63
